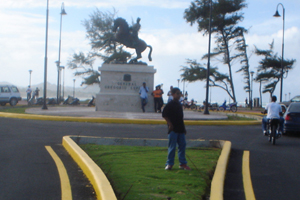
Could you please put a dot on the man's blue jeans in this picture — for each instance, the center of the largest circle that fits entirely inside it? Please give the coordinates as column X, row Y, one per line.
column 265, row 121
column 144, row 102
column 176, row 138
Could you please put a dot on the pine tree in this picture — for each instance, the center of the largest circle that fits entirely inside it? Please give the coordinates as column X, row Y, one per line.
column 225, row 17
column 269, row 69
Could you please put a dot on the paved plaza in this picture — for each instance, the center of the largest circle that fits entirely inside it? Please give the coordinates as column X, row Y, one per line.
column 80, row 111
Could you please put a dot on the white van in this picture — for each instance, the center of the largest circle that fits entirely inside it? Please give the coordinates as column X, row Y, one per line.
column 9, row 94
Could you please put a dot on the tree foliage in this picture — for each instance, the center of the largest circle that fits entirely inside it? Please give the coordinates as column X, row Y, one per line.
column 269, row 69
column 225, row 17
column 197, row 72
column 83, row 64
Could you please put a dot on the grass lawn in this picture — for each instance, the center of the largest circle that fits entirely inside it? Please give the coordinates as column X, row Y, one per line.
column 137, row 172
column 20, row 110
column 237, row 118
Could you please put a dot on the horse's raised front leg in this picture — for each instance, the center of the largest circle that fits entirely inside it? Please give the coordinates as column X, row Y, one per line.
column 138, row 56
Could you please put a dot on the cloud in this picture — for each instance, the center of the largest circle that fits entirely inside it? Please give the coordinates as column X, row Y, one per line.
column 166, row 42
column 169, row 4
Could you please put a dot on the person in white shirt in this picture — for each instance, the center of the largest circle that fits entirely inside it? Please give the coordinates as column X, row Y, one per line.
column 144, row 96
column 28, row 91
column 274, row 110
column 170, row 97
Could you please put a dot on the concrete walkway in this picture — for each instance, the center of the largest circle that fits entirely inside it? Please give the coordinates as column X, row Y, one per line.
column 80, row 111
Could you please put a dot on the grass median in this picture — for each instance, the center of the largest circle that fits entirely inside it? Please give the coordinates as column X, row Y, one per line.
column 137, row 172
column 17, row 109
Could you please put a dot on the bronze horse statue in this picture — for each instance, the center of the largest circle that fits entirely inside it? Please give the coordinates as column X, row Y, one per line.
column 125, row 36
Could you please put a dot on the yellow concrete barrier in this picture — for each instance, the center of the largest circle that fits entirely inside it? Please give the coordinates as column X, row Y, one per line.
column 96, row 176
column 217, row 184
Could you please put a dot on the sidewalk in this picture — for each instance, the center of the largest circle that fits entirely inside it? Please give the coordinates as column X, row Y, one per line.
column 79, row 111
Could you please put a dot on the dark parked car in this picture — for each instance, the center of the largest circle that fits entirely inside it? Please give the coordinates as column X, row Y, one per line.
column 292, row 118
column 294, row 99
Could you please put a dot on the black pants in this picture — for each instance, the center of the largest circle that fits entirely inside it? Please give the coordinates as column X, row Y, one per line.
column 158, row 103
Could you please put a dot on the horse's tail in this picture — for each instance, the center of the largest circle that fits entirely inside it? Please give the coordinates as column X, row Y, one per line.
column 149, row 55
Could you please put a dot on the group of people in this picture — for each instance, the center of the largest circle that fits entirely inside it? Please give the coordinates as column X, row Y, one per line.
column 35, row 93
column 173, row 114
column 157, row 94
column 158, row 99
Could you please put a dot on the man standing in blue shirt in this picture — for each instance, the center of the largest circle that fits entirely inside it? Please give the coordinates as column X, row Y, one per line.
column 144, row 96
column 173, row 114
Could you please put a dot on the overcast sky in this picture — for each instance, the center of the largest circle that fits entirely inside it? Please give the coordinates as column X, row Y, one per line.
column 23, row 25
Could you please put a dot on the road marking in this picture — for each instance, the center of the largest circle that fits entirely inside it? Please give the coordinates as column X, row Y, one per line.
column 66, row 192
column 248, row 189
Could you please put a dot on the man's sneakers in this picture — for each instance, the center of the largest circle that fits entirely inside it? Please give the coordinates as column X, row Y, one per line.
column 265, row 133
column 184, row 166
column 168, row 167
column 279, row 134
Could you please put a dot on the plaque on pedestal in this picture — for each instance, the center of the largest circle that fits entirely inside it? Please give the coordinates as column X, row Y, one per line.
column 119, row 87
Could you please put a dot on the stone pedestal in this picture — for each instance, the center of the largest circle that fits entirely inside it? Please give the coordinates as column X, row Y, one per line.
column 119, row 87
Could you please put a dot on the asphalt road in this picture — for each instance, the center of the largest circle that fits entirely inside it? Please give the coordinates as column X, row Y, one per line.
column 27, row 171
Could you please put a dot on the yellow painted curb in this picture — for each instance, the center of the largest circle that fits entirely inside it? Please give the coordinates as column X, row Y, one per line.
column 217, row 183
column 102, row 185
column 96, row 176
column 66, row 192
column 249, row 193
column 125, row 121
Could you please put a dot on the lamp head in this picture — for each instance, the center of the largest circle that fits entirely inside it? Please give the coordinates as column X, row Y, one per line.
column 63, row 12
column 277, row 14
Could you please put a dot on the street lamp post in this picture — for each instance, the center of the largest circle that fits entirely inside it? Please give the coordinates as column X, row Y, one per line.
column 30, row 71
column 63, row 90
column 251, row 91
column 183, row 89
column 282, row 50
column 45, row 62
column 74, row 88
column 63, row 12
column 178, row 82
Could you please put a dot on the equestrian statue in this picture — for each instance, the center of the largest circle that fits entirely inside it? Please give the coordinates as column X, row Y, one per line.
column 128, row 36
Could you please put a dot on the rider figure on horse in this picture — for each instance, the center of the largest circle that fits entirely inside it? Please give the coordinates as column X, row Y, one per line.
column 134, row 30
column 128, row 36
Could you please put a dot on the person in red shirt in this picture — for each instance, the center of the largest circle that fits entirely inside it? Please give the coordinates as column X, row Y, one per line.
column 158, row 101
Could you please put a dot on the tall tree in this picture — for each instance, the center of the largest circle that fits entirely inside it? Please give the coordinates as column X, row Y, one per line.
column 99, row 31
column 225, row 17
column 241, row 47
column 269, row 69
